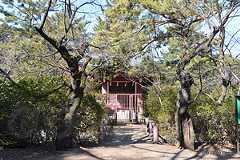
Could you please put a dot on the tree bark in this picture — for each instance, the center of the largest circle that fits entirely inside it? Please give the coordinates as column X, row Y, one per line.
column 223, row 69
column 65, row 134
column 226, row 80
column 184, row 126
column 64, row 138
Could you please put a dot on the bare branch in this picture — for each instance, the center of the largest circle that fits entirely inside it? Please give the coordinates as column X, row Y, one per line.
column 72, row 17
column 83, row 68
column 6, row 75
column 61, row 49
column 232, row 37
column 201, row 85
column 46, row 14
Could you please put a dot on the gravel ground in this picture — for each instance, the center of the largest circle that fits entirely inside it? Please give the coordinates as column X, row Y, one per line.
column 126, row 143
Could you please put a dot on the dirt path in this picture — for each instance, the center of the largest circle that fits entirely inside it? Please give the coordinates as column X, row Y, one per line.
column 131, row 143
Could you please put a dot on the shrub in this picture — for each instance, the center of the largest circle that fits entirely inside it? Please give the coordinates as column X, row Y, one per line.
column 162, row 112
column 29, row 111
column 214, row 124
column 88, row 120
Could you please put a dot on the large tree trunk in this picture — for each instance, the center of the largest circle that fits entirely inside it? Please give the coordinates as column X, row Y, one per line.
column 225, row 71
column 64, row 138
column 184, row 126
column 65, row 134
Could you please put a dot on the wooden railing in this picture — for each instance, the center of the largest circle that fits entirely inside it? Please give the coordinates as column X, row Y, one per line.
column 124, row 101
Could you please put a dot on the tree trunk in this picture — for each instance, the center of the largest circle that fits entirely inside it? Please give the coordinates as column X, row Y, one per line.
column 226, row 80
column 184, row 126
column 65, row 134
column 64, row 138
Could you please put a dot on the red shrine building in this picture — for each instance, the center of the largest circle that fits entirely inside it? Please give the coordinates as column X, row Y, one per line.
column 123, row 97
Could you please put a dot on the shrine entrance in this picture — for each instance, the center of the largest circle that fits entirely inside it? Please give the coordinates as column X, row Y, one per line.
column 123, row 96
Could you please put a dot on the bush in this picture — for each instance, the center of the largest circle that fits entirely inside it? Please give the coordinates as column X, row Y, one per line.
column 214, row 124
column 29, row 111
column 162, row 112
column 88, row 120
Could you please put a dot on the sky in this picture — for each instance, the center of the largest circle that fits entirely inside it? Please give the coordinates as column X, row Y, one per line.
column 94, row 11
column 232, row 33
column 233, row 27
column 90, row 11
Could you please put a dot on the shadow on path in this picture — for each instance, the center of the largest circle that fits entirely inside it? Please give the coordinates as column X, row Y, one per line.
column 205, row 150
column 132, row 143
column 77, row 152
column 123, row 135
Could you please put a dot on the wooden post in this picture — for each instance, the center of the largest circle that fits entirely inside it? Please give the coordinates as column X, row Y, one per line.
column 136, row 106
column 107, row 90
column 155, row 133
column 107, row 87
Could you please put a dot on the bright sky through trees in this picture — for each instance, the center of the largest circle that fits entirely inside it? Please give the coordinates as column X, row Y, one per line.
column 92, row 11
column 232, row 31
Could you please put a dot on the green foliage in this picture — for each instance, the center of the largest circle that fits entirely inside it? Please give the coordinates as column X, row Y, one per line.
column 161, row 109
column 121, row 33
column 88, row 120
column 26, row 54
column 214, row 124
column 31, row 116
column 29, row 109
column 128, row 28
column 91, row 112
